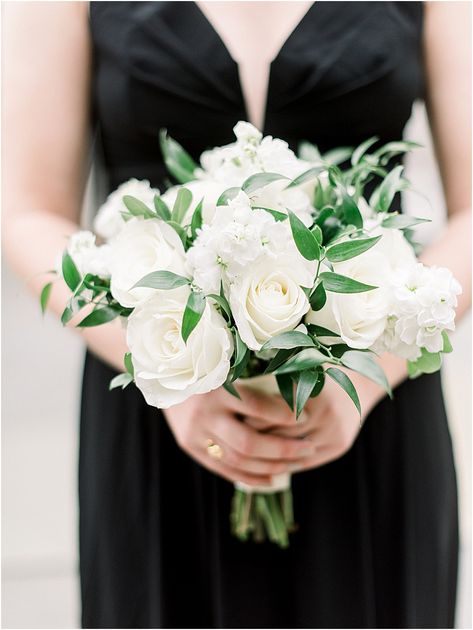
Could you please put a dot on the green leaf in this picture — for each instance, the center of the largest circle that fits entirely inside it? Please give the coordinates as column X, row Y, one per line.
column 162, row 280
column 223, row 303
column 428, row 362
column 67, row 315
column 98, row 317
column 44, row 297
column 181, row 205
column 318, row 298
column 196, row 222
column 304, row 360
column 305, row 241
column 127, row 360
column 287, row 340
column 319, row 384
column 394, row 148
column 359, row 152
column 317, row 232
column 305, row 385
column 320, row 331
column 402, row 221
column 137, row 208
column 193, row 312
column 286, row 388
column 345, row 383
column 363, row 363
column 279, row 359
column 311, row 173
column 350, row 249
column 177, row 160
column 383, row 196
column 121, row 380
column 278, row 216
column 342, row 284
column 161, row 208
column 231, row 389
column 70, row 273
column 350, row 210
column 447, row 346
column 338, row 155
column 324, row 214
column 227, row 196
column 240, row 348
column 259, row 180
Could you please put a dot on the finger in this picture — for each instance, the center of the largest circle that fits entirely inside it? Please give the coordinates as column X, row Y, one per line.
column 272, row 409
column 252, row 465
column 301, row 429
column 253, row 444
column 229, row 473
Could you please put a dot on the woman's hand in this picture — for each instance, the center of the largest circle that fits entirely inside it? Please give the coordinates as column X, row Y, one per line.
column 248, row 455
column 330, row 422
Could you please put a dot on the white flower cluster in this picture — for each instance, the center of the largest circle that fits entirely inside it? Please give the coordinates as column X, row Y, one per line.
column 243, row 249
column 422, row 307
column 250, row 154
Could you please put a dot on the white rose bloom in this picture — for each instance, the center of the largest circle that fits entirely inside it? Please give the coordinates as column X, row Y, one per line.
column 246, row 133
column 201, row 189
column 358, row 318
column 167, row 370
column 268, row 300
column 143, row 246
column 109, row 220
column 87, row 256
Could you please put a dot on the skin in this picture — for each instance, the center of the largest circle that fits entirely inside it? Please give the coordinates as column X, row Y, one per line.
column 46, row 141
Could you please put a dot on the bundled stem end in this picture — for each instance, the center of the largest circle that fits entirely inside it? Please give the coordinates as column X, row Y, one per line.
column 263, row 517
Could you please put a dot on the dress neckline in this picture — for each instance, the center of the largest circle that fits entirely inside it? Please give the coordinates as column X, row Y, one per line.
column 286, row 43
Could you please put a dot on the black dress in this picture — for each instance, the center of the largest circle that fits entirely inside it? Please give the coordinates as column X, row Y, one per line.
column 377, row 544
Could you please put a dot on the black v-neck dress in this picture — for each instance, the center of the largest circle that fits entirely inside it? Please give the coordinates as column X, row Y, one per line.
column 377, row 544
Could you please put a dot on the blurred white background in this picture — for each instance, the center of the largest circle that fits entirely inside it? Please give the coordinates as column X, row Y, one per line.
column 41, row 366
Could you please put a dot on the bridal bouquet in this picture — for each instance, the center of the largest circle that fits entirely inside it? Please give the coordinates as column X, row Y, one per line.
column 265, row 268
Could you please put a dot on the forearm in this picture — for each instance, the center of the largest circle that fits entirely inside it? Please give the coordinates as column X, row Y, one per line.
column 33, row 241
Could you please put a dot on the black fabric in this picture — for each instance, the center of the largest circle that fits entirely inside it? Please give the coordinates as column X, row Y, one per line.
column 377, row 544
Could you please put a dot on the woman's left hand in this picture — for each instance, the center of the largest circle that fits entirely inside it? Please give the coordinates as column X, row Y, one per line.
column 330, row 421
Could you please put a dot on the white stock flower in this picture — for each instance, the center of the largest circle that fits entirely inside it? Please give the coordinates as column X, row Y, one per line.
column 109, row 220
column 167, row 370
column 423, row 306
column 268, row 300
column 205, row 190
column 142, row 246
column 87, row 256
column 236, row 238
column 250, row 154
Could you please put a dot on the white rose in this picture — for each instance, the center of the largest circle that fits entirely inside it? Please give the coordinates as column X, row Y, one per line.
column 361, row 318
column 167, row 370
column 358, row 318
column 87, row 256
column 268, row 299
column 109, row 220
column 205, row 190
column 142, row 246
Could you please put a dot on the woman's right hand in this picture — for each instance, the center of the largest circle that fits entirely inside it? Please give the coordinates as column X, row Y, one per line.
column 247, row 455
